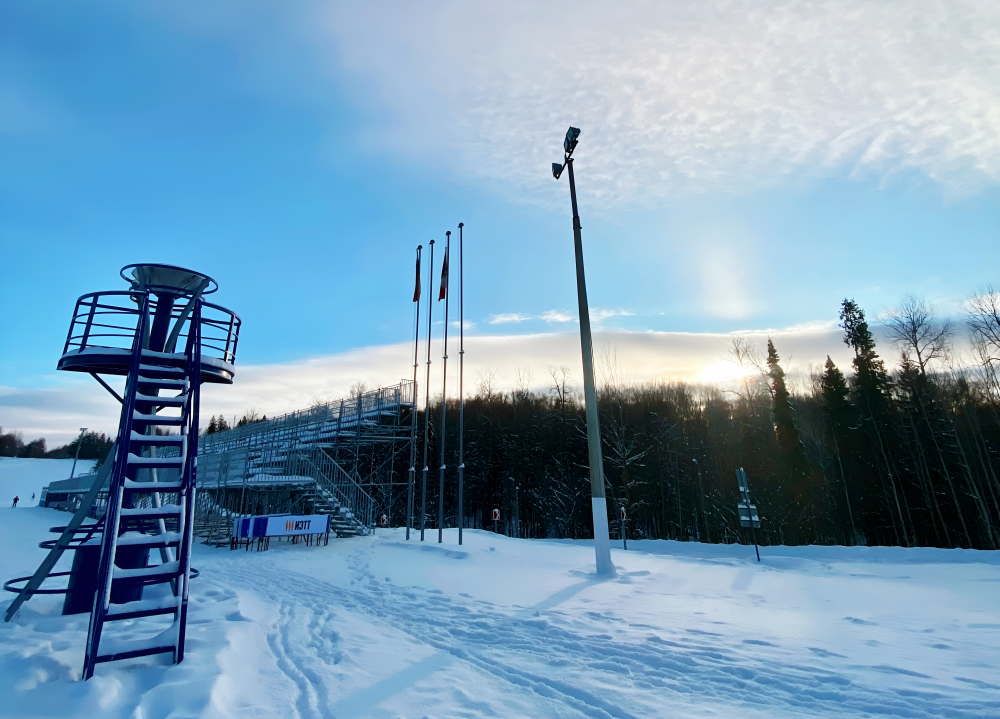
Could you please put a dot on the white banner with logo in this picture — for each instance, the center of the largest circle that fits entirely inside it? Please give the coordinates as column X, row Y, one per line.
column 292, row 525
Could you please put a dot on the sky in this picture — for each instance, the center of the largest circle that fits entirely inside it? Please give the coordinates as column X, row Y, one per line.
column 742, row 167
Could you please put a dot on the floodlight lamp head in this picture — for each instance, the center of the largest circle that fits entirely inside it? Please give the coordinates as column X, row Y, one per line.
column 557, row 170
column 572, row 137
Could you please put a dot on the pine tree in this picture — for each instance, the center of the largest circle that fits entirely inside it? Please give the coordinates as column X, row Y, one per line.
column 213, row 427
column 838, row 411
column 785, row 432
column 790, row 450
column 871, row 379
column 833, row 387
column 871, row 386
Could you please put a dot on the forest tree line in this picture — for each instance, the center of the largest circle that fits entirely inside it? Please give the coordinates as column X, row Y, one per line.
column 93, row 445
column 885, row 452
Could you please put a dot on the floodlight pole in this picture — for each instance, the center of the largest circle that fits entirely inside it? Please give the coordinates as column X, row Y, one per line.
column 79, row 442
column 599, row 504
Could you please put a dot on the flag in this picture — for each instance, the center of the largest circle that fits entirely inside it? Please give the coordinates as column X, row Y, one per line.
column 444, row 277
column 416, row 289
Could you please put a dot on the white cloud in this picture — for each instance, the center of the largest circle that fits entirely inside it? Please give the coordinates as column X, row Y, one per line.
column 508, row 317
column 597, row 314
column 687, row 95
column 557, row 316
column 56, row 411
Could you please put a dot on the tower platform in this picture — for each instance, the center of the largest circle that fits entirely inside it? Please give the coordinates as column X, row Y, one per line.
column 99, row 340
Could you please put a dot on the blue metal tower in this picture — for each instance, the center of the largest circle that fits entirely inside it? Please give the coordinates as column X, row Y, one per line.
column 165, row 339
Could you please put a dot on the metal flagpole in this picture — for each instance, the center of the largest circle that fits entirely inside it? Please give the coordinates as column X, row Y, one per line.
column 461, row 377
column 427, row 400
column 444, row 382
column 413, row 420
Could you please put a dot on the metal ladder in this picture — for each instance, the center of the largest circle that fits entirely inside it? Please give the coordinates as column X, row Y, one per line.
column 137, row 520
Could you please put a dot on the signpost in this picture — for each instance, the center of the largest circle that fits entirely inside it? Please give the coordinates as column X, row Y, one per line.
column 385, row 521
column 496, row 518
column 748, row 511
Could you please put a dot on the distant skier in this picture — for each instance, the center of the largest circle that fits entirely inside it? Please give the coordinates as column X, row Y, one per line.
column 15, row 500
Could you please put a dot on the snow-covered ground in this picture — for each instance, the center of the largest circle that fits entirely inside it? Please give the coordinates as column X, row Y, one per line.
column 24, row 477
column 377, row 627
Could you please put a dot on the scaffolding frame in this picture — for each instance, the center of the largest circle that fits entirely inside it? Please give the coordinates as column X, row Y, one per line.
column 343, row 457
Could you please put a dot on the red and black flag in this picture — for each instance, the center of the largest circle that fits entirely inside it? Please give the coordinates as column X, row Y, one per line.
column 416, row 289
column 444, row 278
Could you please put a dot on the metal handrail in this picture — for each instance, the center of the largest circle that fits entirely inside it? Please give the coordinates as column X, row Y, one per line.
column 287, row 463
column 101, row 310
column 332, row 477
column 320, row 423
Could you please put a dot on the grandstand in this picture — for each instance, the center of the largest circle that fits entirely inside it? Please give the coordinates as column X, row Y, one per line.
column 347, row 458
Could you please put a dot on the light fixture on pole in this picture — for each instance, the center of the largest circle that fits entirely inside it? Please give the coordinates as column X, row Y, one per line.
column 599, row 504
column 79, row 442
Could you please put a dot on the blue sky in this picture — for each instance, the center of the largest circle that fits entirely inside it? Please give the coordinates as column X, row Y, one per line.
column 743, row 168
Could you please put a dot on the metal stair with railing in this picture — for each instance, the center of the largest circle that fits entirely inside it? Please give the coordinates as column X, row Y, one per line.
column 149, row 478
column 351, row 509
column 137, row 519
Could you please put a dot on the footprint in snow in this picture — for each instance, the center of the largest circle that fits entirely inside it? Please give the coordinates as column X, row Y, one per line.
column 824, row 652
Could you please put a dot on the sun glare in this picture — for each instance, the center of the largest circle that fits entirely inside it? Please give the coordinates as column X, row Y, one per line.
column 721, row 372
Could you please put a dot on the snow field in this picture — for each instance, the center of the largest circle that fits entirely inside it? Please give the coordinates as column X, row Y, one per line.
column 378, row 627
column 21, row 477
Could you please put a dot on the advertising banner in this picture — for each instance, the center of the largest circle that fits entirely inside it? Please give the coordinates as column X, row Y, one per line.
column 285, row 525
column 291, row 525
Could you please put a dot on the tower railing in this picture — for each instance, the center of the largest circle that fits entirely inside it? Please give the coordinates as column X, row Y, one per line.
column 108, row 321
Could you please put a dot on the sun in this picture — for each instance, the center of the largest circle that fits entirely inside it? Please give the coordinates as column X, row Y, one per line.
column 721, row 372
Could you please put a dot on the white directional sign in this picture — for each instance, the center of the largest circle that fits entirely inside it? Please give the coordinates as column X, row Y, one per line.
column 748, row 515
column 496, row 515
column 385, row 521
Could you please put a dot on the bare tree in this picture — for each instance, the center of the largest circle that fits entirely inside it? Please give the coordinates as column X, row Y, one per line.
column 358, row 389
column 487, row 378
column 612, row 375
column 916, row 329
column 753, row 371
column 522, row 386
column 982, row 311
column 561, row 387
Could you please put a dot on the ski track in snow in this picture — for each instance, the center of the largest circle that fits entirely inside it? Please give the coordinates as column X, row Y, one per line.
column 557, row 654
